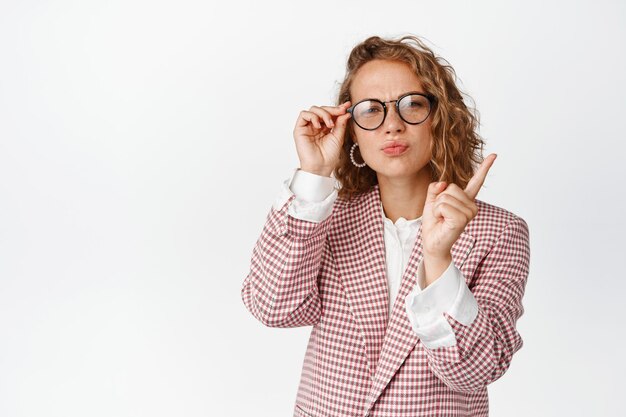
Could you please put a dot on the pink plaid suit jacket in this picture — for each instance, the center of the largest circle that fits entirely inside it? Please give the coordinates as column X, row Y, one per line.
column 360, row 362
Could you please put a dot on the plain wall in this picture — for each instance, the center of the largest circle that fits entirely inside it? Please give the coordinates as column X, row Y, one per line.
column 142, row 144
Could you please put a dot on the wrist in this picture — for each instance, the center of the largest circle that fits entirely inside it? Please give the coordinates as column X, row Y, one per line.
column 435, row 266
column 324, row 172
column 437, row 256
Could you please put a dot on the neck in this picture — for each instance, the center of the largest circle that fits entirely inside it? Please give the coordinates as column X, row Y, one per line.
column 404, row 196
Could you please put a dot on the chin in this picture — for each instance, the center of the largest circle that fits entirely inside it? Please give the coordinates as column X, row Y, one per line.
column 395, row 170
column 397, row 173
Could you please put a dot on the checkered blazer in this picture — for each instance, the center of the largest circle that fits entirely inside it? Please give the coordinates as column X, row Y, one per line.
column 361, row 362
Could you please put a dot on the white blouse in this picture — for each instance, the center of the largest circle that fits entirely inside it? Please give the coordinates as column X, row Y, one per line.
column 315, row 196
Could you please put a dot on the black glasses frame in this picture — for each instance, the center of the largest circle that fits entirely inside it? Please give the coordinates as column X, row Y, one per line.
column 431, row 102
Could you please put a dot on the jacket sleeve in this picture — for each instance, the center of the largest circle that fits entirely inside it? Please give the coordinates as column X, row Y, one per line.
column 448, row 293
column 281, row 288
column 484, row 348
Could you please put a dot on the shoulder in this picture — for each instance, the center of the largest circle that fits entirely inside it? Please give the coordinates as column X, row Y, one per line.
column 359, row 212
column 357, row 203
column 491, row 221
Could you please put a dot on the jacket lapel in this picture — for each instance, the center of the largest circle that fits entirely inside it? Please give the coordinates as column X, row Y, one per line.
column 358, row 247
column 359, row 250
column 399, row 339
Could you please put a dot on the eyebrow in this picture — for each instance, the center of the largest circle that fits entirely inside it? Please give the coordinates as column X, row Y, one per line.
column 403, row 94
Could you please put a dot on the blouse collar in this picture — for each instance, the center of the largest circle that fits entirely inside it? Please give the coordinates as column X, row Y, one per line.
column 401, row 223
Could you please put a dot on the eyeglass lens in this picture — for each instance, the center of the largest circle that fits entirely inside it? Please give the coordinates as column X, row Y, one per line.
column 369, row 114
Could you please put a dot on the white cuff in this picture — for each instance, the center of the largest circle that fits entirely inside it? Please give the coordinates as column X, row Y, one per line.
column 436, row 334
column 424, row 308
column 315, row 199
column 311, row 187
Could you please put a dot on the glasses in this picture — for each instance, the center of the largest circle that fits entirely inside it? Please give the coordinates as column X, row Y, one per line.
column 412, row 107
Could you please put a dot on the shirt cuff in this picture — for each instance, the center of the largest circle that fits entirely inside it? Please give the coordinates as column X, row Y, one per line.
column 315, row 196
column 425, row 307
column 311, row 187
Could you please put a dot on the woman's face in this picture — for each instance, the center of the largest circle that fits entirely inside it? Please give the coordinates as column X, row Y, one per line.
column 387, row 80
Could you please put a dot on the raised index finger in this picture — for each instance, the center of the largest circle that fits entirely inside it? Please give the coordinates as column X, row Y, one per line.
column 337, row 110
column 474, row 184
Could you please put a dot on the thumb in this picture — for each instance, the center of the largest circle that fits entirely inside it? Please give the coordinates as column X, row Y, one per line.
column 434, row 189
column 340, row 126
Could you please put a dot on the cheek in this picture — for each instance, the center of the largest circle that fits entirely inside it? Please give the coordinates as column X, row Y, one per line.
column 368, row 142
column 421, row 155
column 422, row 138
column 423, row 141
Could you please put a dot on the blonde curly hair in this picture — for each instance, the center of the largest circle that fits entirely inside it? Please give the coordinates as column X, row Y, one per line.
column 456, row 146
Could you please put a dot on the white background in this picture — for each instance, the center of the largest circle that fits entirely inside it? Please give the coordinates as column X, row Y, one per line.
column 142, row 144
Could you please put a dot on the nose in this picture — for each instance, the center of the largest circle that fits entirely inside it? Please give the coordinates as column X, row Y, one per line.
column 393, row 122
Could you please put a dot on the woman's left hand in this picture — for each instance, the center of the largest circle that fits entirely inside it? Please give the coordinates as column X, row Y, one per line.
column 448, row 209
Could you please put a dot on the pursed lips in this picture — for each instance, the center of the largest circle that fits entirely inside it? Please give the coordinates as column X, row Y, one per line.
column 395, row 144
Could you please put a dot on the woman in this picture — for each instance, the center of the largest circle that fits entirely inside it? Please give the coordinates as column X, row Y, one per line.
column 412, row 285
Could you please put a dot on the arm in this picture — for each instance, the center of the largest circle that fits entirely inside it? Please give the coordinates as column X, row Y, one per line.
column 484, row 347
column 426, row 304
column 281, row 287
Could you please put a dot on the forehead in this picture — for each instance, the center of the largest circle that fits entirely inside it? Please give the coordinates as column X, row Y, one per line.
column 384, row 79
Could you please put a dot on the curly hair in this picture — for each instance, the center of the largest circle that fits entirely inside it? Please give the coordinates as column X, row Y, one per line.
column 456, row 146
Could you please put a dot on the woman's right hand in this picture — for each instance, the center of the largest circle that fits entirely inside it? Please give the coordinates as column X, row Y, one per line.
column 319, row 136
